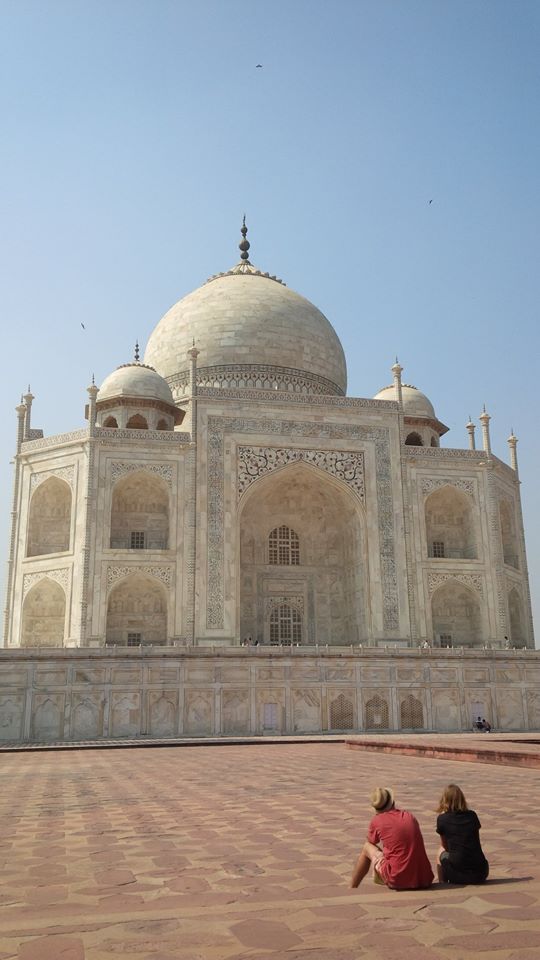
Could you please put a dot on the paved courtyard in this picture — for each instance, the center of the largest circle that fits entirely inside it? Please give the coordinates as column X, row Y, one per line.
column 237, row 852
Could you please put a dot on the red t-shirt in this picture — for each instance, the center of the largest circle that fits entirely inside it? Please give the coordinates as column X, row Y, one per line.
column 405, row 865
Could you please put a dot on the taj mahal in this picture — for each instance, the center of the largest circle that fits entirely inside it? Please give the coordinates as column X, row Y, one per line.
column 227, row 501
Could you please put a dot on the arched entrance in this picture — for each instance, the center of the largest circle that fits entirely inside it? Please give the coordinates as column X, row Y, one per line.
column 44, row 615
column 49, row 519
column 457, row 617
column 450, row 525
column 137, row 612
column 302, row 560
column 140, row 513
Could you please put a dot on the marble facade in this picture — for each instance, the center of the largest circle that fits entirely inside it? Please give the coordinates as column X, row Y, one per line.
column 84, row 695
column 230, row 490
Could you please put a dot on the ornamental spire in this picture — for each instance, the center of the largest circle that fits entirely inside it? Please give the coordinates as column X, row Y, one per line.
column 136, row 355
column 244, row 244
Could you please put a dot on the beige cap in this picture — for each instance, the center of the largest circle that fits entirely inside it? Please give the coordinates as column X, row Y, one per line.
column 382, row 798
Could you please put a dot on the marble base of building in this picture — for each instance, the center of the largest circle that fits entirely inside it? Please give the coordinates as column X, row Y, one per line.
column 83, row 694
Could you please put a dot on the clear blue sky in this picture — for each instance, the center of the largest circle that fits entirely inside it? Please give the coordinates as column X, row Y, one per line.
column 135, row 134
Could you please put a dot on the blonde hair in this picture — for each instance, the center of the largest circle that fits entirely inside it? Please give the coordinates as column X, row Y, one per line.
column 452, row 800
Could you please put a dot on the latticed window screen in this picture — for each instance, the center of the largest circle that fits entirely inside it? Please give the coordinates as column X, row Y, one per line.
column 134, row 639
column 438, row 548
column 137, row 541
column 412, row 713
column 284, row 547
column 377, row 714
column 341, row 713
column 285, row 625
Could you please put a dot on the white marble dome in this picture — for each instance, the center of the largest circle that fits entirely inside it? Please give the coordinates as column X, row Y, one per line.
column 136, row 380
column 415, row 403
column 251, row 331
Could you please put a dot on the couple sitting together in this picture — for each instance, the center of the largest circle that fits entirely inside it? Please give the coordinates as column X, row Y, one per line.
column 395, row 846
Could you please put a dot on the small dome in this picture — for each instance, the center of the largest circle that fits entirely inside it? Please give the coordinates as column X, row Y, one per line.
column 415, row 403
column 135, row 380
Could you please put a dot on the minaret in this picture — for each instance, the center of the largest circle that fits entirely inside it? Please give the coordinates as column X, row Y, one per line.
column 21, row 420
column 484, row 420
column 191, row 502
column 21, row 416
column 470, row 430
column 92, row 391
column 28, row 397
column 512, row 443
column 397, row 370
column 193, row 353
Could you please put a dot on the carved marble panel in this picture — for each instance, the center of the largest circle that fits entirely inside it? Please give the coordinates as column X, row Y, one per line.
column 125, row 714
column 473, row 580
column 161, row 572
column 162, row 470
column 307, row 710
column 445, row 705
column 11, row 716
column 429, row 484
column 87, row 711
column 62, row 473
column 163, row 713
column 235, row 711
column 293, row 600
column 48, row 717
column 199, row 712
column 60, row 576
column 509, row 708
column 255, row 462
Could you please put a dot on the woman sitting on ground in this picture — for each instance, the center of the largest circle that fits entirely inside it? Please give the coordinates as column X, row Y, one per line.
column 461, row 858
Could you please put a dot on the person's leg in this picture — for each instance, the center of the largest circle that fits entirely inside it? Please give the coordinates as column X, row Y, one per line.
column 368, row 853
column 442, row 854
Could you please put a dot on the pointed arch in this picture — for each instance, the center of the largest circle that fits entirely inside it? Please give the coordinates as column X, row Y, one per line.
column 414, row 439
column 377, row 714
column 450, row 527
column 411, row 713
column 137, row 612
column 44, row 615
column 137, row 422
column 110, row 422
column 319, row 521
column 456, row 615
column 49, row 519
column 140, row 512
column 341, row 713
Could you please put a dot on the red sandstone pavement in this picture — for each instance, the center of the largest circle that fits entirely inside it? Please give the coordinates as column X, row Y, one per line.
column 237, row 852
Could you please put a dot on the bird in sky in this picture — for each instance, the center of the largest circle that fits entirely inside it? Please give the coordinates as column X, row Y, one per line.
column 82, row 325
column 258, row 66
column 431, row 201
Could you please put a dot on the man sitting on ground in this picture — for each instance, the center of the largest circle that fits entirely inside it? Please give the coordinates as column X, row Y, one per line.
column 402, row 862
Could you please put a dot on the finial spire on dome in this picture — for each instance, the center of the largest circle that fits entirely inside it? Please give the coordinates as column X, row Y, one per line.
column 244, row 244
column 136, row 355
